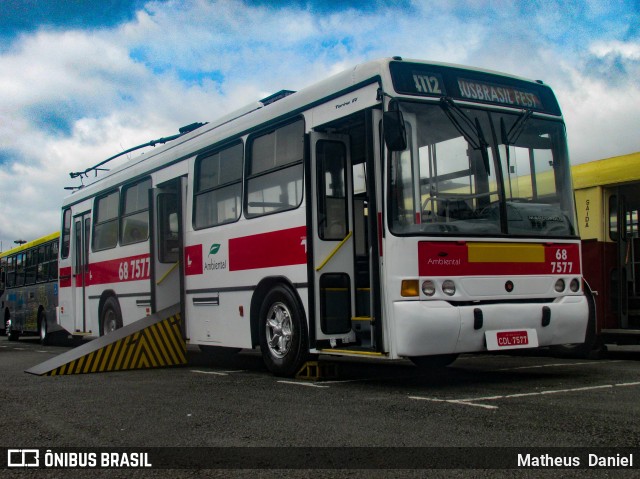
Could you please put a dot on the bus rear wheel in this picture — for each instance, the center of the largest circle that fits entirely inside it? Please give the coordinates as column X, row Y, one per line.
column 111, row 317
column 44, row 333
column 283, row 332
column 12, row 334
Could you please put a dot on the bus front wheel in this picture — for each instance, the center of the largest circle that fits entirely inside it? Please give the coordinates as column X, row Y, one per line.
column 111, row 317
column 283, row 332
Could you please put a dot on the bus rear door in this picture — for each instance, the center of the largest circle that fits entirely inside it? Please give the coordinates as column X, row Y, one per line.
column 167, row 281
column 79, row 281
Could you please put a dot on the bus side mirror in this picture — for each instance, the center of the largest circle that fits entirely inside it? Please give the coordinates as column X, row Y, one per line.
column 395, row 132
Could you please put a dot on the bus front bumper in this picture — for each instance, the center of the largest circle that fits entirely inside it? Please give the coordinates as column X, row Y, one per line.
column 424, row 328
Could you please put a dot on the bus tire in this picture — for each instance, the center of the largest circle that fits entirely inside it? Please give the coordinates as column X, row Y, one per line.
column 111, row 316
column 12, row 334
column 283, row 332
column 434, row 362
column 42, row 328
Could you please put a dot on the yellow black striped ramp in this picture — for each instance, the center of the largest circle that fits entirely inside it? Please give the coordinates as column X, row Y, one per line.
column 152, row 342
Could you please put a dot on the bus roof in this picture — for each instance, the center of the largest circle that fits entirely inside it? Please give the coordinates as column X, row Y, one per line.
column 609, row 171
column 31, row 244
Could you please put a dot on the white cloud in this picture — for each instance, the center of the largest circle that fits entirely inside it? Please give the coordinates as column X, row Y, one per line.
column 626, row 50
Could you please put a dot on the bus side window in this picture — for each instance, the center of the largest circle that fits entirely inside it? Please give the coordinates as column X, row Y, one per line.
column 11, row 272
column 274, row 180
column 53, row 261
column 105, row 228
column 20, row 260
column 134, row 221
column 218, row 187
column 42, row 274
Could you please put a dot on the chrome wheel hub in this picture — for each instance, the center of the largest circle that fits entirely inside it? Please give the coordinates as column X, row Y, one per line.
column 279, row 330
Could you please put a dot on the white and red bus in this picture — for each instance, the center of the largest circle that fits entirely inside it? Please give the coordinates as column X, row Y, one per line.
column 400, row 209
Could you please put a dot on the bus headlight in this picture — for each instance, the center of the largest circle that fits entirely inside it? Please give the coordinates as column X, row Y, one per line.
column 449, row 287
column 574, row 285
column 559, row 287
column 429, row 288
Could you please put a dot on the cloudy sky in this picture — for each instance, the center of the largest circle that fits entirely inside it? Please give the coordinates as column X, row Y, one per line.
column 82, row 80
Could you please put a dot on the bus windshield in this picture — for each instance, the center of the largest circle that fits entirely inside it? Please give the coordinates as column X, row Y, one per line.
column 469, row 171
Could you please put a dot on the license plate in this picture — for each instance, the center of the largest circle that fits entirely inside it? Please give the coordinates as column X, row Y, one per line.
column 523, row 338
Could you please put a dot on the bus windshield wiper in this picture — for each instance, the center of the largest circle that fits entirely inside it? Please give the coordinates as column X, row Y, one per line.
column 472, row 133
column 510, row 137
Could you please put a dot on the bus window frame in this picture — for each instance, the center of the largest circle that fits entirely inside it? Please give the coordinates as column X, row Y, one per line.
column 96, row 223
column 31, row 266
column 197, row 191
column 122, row 216
column 277, row 168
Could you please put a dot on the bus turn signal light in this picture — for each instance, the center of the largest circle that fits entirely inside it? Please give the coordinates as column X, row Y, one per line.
column 410, row 288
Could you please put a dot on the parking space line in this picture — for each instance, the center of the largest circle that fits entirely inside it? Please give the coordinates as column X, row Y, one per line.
column 298, row 383
column 454, row 401
column 215, row 373
column 628, row 384
column 555, row 365
column 474, row 401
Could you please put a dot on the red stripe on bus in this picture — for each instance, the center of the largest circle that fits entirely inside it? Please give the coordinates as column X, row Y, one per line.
column 452, row 259
column 65, row 277
column 193, row 260
column 267, row 250
column 131, row 268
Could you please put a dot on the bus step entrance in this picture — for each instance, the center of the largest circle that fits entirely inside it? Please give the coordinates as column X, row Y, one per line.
column 151, row 342
column 317, row 371
column 362, row 328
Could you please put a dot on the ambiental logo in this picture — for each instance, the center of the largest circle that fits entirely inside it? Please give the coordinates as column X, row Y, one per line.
column 212, row 265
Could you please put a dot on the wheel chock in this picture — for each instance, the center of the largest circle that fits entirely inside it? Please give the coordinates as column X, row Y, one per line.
column 151, row 342
column 317, row 371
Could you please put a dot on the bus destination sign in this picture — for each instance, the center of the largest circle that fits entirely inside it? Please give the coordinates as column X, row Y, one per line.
column 470, row 85
column 494, row 93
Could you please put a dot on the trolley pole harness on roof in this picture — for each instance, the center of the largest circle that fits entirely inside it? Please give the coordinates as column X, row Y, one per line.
column 182, row 131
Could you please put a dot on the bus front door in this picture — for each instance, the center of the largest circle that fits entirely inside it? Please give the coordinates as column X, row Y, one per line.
column 79, row 281
column 333, row 244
